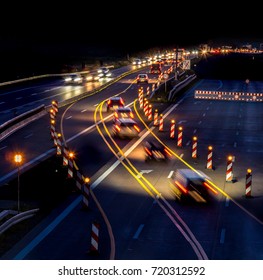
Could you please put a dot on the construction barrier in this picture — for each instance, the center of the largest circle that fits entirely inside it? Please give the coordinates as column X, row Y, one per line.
column 85, row 193
column 229, row 169
column 229, row 96
column 248, row 183
column 155, row 117
column 180, row 137
column 94, row 246
column 209, row 164
column 194, row 147
column 172, row 128
column 161, row 123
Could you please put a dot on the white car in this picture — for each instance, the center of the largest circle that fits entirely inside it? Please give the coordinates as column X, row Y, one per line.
column 104, row 72
column 74, row 79
column 137, row 62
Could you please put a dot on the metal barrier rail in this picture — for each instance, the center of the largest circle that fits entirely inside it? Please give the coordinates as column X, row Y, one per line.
column 180, row 85
column 17, row 218
column 20, row 121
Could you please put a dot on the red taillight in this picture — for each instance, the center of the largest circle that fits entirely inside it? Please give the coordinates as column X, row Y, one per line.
column 148, row 151
column 181, row 187
column 210, row 188
column 167, row 152
column 136, row 128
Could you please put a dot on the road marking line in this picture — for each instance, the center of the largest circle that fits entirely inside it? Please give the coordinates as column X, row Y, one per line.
column 170, row 174
column 139, row 230
column 222, row 236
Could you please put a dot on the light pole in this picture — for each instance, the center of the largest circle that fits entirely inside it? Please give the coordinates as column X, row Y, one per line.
column 18, row 160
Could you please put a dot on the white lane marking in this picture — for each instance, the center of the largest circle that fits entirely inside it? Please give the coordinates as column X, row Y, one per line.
column 204, row 114
column 237, row 133
column 138, row 231
column 222, row 236
column 2, row 148
column 84, row 110
column 68, row 117
column 188, row 143
column 181, row 155
column 199, row 122
column 34, row 94
column 170, row 174
column 227, row 202
column 29, row 135
column 235, row 144
column 195, row 131
column 19, row 98
column 143, row 172
column 2, row 102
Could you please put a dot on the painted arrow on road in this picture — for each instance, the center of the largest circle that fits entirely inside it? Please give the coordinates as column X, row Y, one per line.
column 143, row 172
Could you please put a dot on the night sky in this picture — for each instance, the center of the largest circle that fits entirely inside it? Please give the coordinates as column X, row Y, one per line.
column 43, row 32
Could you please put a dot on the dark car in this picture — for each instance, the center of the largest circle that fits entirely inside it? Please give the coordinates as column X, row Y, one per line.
column 114, row 103
column 155, row 151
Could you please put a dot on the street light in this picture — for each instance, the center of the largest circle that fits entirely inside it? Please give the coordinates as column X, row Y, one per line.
column 18, row 160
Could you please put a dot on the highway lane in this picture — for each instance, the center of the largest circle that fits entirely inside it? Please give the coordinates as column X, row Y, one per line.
column 222, row 237
column 18, row 98
column 34, row 139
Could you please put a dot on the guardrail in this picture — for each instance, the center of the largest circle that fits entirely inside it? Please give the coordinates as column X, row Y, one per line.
column 180, row 85
column 20, row 121
column 17, row 218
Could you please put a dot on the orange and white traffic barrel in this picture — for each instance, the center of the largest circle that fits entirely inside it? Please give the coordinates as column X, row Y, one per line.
column 85, row 193
column 65, row 156
column 161, row 122
column 148, row 91
column 209, row 164
column 146, row 108
column 194, row 147
column 155, row 117
column 150, row 109
column 54, row 106
column 79, row 180
column 229, row 169
column 52, row 114
column 141, row 100
column 94, row 246
column 70, row 165
column 180, row 137
column 52, row 128
column 59, row 144
column 248, row 183
column 172, row 128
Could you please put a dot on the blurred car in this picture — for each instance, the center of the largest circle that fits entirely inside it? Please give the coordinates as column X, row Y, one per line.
column 142, row 78
column 137, row 62
column 74, row 79
column 122, row 112
column 114, row 103
column 190, row 185
column 156, row 68
column 104, row 72
column 155, row 151
column 125, row 128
